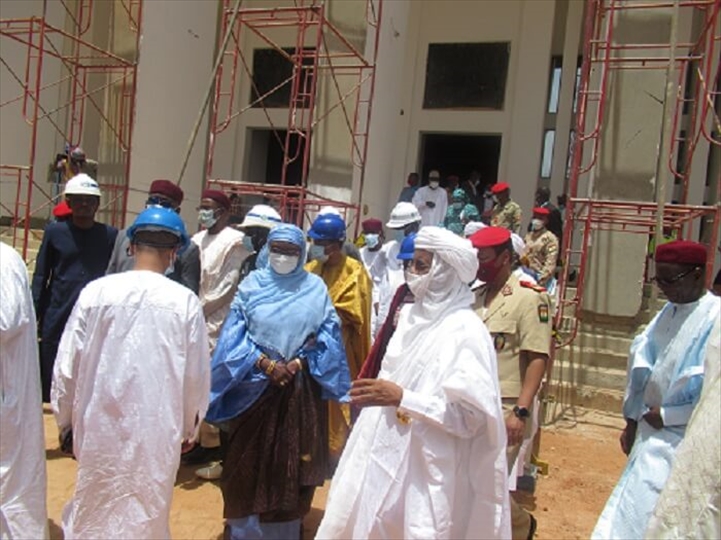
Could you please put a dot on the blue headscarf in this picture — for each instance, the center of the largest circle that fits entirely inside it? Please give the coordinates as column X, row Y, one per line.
column 282, row 310
column 275, row 314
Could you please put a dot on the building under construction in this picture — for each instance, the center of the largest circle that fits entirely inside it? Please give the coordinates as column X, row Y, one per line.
column 305, row 103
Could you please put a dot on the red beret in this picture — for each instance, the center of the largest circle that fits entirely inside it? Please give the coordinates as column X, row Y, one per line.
column 62, row 210
column 490, row 237
column 217, row 196
column 682, row 252
column 540, row 211
column 167, row 188
column 372, row 225
column 500, row 187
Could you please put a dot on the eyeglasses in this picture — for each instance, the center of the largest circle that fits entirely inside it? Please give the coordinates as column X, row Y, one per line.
column 158, row 201
column 672, row 280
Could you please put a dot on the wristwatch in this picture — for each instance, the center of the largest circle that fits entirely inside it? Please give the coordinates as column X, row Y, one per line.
column 521, row 412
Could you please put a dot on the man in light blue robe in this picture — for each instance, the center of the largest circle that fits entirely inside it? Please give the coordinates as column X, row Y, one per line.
column 665, row 378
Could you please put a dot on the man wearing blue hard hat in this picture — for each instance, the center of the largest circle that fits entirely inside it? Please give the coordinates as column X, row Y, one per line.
column 131, row 380
column 349, row 286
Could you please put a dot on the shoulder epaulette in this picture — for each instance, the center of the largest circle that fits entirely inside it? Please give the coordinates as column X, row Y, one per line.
column 532, row 286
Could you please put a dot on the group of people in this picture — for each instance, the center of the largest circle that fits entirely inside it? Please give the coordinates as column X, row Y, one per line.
column 407, row 372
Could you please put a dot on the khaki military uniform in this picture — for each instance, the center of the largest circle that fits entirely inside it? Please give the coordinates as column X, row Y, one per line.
column 507, row 216
column 518, row 319
column 542, row 253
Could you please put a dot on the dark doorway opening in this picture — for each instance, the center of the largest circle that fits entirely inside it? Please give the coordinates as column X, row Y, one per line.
column 266, row 157
column 460, row 154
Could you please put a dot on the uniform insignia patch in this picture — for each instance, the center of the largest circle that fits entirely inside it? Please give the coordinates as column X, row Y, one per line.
column 499, row 341
column 507, row 290
column 543, row 312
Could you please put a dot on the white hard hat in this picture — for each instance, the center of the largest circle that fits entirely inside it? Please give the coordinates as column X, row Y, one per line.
column 261, row 215
column 82, row 184
column 434, row 174
column 472, row 227
column 325, row 210
column 519, row 246
column 403, row 213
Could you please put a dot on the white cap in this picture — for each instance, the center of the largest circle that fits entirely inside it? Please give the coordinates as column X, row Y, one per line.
column 472, row 227
column 325, row 210
column 261, row 215
column 403, row 213
column 519, row 246
column 82, row 184
column 434, row 174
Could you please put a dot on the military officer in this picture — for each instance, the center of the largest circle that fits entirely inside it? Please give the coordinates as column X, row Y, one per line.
column 541, row 247
column 517, row 315
column 506, row 213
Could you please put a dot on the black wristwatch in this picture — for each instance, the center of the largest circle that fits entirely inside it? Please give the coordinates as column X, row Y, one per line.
column 521, row 412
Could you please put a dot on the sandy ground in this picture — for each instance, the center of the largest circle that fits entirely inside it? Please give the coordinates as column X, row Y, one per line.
column 582, row 450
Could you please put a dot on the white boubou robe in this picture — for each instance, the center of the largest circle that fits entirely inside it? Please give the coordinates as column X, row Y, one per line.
column 436, row 466
column 132, row 378
column 431, row 216
column 23, row 511
column 666, row 370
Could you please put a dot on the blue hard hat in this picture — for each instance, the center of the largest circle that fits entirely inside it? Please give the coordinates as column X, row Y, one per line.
column 408, row 246
column 157, row 218
column 328, row 227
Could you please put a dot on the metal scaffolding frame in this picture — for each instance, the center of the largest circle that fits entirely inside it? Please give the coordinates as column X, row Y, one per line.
column 330, row 56
column 80, row 59
column 696, row 62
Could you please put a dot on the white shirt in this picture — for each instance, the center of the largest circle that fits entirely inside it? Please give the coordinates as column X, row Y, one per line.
column 23, row 512
column 435, row 215
column 132, row 377
column 221, row 256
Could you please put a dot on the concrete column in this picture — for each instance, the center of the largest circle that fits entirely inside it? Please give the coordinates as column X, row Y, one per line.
column 176, row 58
column 381, row 188
column 535, row 34
column 565, row 119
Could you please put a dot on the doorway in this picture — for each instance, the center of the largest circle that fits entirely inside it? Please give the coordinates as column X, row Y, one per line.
column 265, row 157
column 460, row 154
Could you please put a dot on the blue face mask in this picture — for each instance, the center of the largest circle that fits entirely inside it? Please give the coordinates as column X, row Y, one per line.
column 399, row 235
column 317, row 253
column 372, row 240
column 248, row 243
column 458, row 206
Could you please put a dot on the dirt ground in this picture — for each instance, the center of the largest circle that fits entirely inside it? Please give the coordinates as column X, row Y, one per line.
column 582, row 450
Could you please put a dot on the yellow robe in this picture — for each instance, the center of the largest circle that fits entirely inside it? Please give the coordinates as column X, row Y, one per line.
column 349, row 287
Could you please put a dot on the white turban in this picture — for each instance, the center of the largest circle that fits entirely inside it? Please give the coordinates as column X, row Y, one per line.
column 472, row 227
column 519, row 246
column 457, row 252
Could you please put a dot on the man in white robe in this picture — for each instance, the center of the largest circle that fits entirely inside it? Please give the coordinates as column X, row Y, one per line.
column 131, row 380
column 665, row 378
column 23, row 512
column 427, row 457
column 690, row 504
column 432, row 201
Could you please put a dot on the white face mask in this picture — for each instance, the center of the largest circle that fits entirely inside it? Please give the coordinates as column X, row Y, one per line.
column 283, row 264
column 433, row 184
column 170, row 269
column 206, row 217
column 536, row 224
column 418, row 283
column 317, row 253
column 372, row 240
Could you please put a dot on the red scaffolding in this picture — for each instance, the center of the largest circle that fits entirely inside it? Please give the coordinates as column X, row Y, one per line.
column 320, row 56
column 696, row 66
column 62, row 35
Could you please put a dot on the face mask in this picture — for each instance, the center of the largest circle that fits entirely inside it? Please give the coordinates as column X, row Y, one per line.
column 317, row 253
column 248, row 243
column 488, row 271
column 283, row 264
column 434, row 184
column 399, row 235
column 495, row 199
column 418, row 283
column 372, row 240
column 170, row 269
column 206, row 217
column 457, row 206
column 536, row 224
